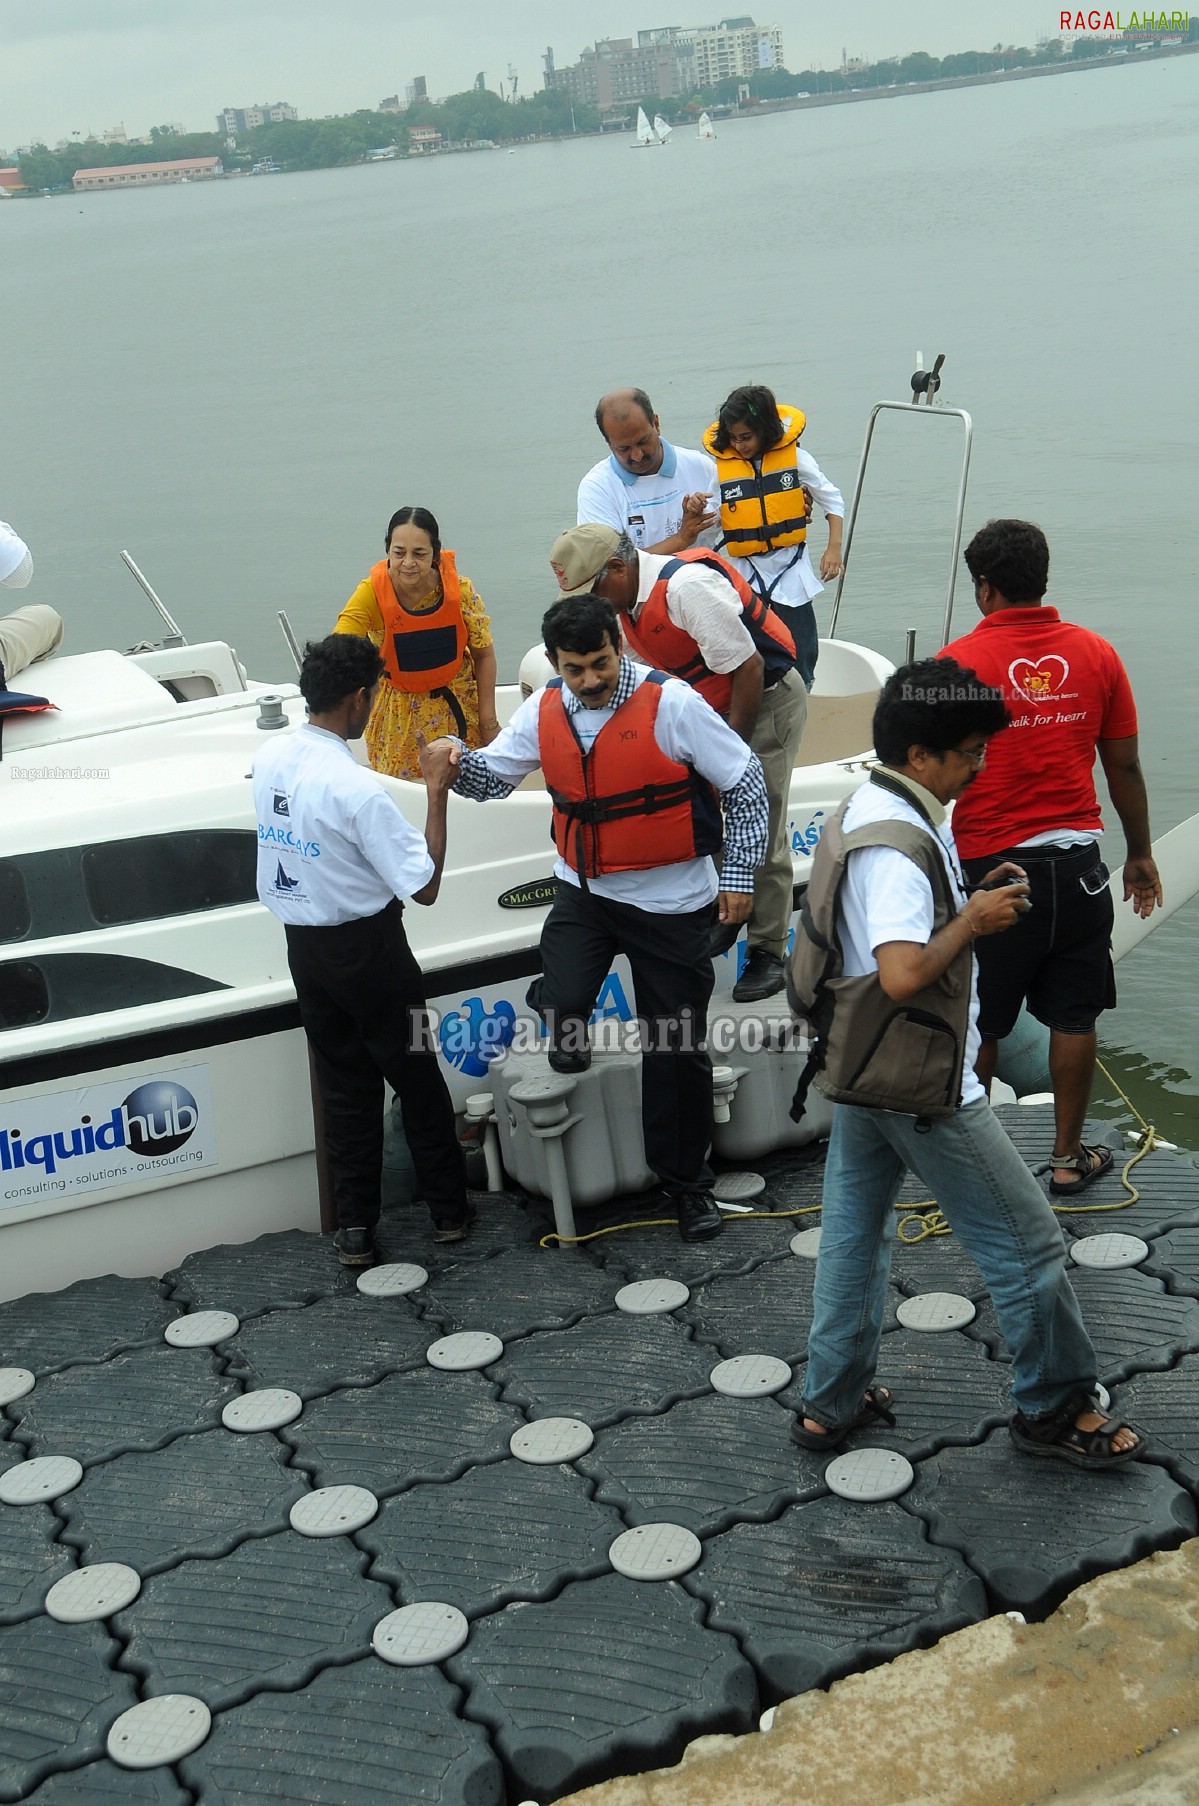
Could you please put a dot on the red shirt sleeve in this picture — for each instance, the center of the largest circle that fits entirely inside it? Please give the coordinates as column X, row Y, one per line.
column 1120, row 717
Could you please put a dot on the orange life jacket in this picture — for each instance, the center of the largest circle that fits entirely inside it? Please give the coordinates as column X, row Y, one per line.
column 623, row 806
column 654, row 636
column 421, row 651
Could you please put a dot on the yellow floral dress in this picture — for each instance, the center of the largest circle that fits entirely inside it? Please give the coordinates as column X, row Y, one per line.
column 398, row 715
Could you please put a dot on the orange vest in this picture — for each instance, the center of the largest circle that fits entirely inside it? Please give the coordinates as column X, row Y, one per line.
column 623, row 806
column 654, row 636
column 421, row 651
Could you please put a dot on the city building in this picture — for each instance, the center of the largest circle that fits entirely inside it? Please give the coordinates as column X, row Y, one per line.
column 416, row 92
column 10, row 180
column 147, row 175
column 667, row 60
column 247, row 119
column 115, row 135
column 422, row 139
column 390, row 104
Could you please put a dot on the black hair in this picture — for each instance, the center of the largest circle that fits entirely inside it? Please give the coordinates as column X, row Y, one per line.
column 1012, row 556
column 934, row 703
column 335, row 668
column 754, row 403
column 637, row 399
column 579, row 624
column 416, row 517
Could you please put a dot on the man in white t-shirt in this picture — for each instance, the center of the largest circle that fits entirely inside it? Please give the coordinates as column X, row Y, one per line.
column 657, row 493
column 16, row 560
column 335, row 856
column 931, row 729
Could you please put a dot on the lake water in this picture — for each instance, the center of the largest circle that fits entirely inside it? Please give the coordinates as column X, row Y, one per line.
column 241, row 383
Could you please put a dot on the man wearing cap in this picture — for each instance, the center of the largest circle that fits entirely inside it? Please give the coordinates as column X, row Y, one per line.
column 639, row 770
column 655, row 492
column 692, row 614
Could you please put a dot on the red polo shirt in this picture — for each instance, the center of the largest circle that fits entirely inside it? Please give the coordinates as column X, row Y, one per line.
column 1066, row 689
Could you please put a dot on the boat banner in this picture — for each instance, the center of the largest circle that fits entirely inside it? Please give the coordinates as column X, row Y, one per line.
column 125, row 1132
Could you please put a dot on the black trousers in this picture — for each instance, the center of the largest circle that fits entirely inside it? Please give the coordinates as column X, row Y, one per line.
column 362, row 999
column 672, row 979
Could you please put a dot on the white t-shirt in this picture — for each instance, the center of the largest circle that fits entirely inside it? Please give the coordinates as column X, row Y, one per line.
column 648, row 509
column 704, row 604
column 16, row 560
column 686, row 729
column 787, row 578
column 885, row 897
column 332, row 845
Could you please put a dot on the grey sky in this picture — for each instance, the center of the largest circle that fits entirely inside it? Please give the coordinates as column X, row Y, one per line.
column 85, row 65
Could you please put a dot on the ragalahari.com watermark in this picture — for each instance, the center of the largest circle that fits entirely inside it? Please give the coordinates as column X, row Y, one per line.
column 37, row 774
column 495, row 1038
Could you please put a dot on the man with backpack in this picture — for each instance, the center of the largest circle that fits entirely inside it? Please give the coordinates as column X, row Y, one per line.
column 884, row 972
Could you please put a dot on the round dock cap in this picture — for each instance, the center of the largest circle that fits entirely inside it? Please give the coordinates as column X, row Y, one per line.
column 465, row 1352
column 750, row 1376
column 419, row 1634
column 655, row 1552
column 392, row 1280
column 935, row 1311
column 37, row 1481
column 647, row 1297
column 159, row 1731
column 93, row 1592
column 333, row 1511
column 869, row 1475
column 1109, row 1251
column 806, row 1244
column 201, row 1329
column 15, row 1382
column 738, row 1188
column 268, row 1408
column 551, row 1440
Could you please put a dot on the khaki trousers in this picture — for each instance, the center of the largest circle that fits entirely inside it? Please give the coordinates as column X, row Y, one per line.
column 776, row 735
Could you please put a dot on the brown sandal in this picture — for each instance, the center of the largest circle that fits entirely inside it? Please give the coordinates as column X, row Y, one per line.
column 878, row 1406
column 1090, row 1165
column 1060, row 1439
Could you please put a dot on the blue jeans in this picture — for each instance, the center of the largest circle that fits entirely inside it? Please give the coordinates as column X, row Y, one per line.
column 992, row 1201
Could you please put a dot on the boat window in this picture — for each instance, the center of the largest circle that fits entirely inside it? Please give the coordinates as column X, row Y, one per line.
column 170, row 874
column 23, row 995
column 14, row 902
column 62, row 986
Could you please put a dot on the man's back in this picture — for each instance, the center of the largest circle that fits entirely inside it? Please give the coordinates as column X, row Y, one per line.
column 1067, row 689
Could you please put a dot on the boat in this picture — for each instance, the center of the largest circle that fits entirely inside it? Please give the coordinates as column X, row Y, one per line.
column 706, row 128
column 661, row 129
column 645, row 132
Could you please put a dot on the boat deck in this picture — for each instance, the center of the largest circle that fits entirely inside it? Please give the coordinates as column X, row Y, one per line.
column 570, row 1672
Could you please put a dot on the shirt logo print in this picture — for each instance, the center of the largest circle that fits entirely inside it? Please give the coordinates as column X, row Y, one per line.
column 1040, row 679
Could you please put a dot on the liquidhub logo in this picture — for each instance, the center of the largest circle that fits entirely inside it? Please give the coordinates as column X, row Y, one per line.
column 155, row 1120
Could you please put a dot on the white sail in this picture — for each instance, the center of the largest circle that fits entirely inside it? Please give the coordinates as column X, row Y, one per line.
column 645, row 131
column 661, row 127
column 706, row 128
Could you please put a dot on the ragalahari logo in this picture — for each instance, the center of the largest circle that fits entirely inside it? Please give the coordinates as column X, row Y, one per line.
column 1151, row 23
column 1041, row 680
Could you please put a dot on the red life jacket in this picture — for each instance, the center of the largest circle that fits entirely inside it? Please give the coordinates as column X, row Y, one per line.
column 623, row 806
column 654, row 636
column 422, row 651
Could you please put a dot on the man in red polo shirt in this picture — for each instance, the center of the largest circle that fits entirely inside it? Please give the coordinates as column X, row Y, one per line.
column 1033, row 801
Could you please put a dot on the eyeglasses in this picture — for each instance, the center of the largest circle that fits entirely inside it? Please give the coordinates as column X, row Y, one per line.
column 976, row 754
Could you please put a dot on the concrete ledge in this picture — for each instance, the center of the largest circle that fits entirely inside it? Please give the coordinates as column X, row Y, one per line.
column 1100, row 1703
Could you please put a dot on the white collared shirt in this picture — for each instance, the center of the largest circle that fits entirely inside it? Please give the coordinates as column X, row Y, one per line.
column 648, row 509
column 332, row 845
column 704, row 604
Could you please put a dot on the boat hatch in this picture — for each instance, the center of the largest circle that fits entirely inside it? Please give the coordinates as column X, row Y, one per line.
column 58, row 987
column 75, row 890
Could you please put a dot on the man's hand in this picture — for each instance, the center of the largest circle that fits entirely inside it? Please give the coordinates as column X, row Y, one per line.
column 734, row 905
column 1000, row 874
column 438, row 761
column 1142, row 885
column 696, row 516
column 991, row 911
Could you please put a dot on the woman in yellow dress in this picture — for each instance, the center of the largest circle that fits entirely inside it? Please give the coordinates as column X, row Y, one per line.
column 435, row 640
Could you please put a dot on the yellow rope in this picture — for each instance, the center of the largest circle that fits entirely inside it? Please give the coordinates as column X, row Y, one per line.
column 926, row 1214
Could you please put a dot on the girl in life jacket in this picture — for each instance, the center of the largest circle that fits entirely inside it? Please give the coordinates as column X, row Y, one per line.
column 435, row 640
column 767, row 488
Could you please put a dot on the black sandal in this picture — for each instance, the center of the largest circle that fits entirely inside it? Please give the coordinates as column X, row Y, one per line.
column 1059, row 1439
column 877, row 1407
column 1083, row 1164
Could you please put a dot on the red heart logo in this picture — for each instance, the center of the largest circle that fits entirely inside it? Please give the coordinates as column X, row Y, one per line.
column 1040, row 678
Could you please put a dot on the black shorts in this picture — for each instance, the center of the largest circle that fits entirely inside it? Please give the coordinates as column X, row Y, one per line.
column 1057, row 957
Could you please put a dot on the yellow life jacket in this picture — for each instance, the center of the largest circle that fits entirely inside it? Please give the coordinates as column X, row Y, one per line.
column 760, row 511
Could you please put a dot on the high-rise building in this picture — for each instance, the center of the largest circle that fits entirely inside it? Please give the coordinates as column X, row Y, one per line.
column 668, row 60
column 416, row 91
column 736, row 48
column 246, row 119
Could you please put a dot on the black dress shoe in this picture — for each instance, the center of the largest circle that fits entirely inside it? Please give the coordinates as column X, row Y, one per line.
column 355, row 1247
column 699, row 1216
column 762, row 976
column 453, row 1229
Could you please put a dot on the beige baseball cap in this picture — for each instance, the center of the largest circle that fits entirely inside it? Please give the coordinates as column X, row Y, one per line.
column 580, row 554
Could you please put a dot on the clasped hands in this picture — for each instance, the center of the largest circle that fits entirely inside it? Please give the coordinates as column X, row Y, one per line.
column 438, row 761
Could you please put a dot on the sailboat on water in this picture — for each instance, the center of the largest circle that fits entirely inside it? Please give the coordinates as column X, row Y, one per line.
column 706, row 128
column 661, row 128
column 645, row 132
